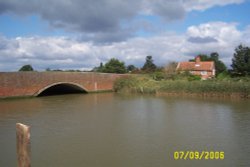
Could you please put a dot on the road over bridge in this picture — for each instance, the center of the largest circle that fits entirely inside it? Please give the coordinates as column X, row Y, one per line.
column 14, row 84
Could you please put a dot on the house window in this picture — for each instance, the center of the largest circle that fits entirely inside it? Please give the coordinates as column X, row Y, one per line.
column 197, row 65
column 203, row 72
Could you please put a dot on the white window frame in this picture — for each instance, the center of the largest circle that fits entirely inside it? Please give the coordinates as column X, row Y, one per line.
column 203, row 72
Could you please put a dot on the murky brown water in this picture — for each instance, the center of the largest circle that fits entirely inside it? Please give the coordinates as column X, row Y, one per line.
column 112, row 130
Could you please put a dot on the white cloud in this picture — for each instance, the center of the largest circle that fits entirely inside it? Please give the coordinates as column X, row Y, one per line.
column 217, row 30
column 205, row 4
column 226, row 37
column 66, row 53
column 103, row 20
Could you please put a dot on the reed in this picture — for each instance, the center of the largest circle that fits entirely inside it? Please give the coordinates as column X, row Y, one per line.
column 146, row 85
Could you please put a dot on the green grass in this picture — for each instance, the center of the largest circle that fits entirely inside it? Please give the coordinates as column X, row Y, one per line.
column 146, row 85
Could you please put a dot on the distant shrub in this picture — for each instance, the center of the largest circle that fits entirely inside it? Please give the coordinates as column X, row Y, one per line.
column 223, row 76
column 27, row 67
column 194, row 78
column 123, row 83
column 158, row 76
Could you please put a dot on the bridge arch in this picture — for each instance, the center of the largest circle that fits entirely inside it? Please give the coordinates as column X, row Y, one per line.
column 61, row 88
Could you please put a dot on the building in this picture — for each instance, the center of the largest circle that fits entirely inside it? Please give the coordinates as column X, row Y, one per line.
column 204, row 69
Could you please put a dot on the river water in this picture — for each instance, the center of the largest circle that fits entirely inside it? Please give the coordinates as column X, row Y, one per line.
column 113, row 130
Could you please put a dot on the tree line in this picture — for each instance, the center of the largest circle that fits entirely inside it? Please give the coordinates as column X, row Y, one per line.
column 116, row 66
column 240, row 64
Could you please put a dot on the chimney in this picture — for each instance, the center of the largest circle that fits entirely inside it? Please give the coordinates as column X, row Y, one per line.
column 197, row 59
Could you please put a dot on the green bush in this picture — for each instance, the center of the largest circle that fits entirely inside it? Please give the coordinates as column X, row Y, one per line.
column 27, row 67
column 158, row 76
column 123, row 83
column 223, row 76
column 194, row 78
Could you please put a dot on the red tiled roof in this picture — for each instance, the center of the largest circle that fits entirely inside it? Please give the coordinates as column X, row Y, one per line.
column 196, row 66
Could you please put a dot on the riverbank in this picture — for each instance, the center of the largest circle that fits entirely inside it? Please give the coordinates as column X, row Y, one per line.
column 208, row 88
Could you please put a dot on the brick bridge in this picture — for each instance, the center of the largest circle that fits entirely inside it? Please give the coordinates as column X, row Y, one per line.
column 14, row 84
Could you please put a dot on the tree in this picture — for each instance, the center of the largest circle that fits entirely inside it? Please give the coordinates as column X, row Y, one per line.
column 131, row 68
column 98, row 69
column 26, row 68
column 48, row 69
column 101, row 65
column 219, row 65
column 114, row 66
column 170, row 70
column 241, row 61
column 149, row 66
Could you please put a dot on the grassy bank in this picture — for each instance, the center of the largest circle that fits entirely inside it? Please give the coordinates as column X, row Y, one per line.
column 218, row 88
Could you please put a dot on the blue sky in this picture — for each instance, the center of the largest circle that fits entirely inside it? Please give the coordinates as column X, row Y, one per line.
column 72, row 34
column 16, row 26
column 231, row 13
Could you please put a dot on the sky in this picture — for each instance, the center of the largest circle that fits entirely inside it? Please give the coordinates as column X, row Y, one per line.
column 80, row 34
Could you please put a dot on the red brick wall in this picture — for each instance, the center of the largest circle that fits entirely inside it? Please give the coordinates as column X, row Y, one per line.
column 209, row 74
column 30, row 83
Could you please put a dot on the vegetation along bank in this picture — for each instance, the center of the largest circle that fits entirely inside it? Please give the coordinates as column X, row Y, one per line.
column 234, row 82
column 237, row 88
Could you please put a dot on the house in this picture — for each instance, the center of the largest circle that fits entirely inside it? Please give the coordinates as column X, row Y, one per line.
column 204, row 69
